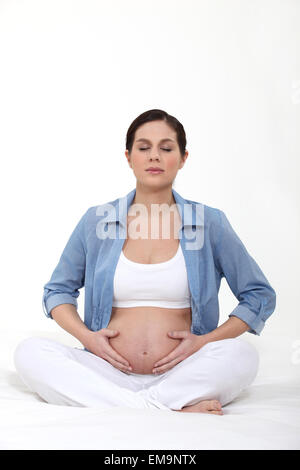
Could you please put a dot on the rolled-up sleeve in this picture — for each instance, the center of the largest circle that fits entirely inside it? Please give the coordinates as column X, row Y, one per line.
column 69, row 275
column 257, row 299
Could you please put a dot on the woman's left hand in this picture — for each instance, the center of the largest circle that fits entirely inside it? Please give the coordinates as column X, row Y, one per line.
column 190, row 343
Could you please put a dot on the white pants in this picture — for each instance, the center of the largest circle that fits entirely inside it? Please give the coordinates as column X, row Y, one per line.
column 63, row 375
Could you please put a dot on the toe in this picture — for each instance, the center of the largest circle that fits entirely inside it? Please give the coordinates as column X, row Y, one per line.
column 215, row 405
column 216, row 412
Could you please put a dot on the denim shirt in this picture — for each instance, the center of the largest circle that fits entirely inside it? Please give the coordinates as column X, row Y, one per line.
column 211, row 248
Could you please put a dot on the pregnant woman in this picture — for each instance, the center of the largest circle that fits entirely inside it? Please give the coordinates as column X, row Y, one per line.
column 151, row 264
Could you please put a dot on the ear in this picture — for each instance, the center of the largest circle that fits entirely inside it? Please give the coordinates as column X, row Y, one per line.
column 183, row 159
column 128, row 158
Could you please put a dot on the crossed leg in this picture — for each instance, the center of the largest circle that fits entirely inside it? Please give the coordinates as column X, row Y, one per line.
column 208, row 379
column 62, row 375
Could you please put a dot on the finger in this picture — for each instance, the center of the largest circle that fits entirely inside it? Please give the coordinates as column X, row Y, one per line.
column 164, row 360
column 120, row 367
column 178, row 334
column 114, row 355
column 108, row 332
column 117, row 364
column 169, row 365
column 175, row 354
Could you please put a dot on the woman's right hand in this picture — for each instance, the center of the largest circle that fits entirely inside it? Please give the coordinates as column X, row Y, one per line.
column 97, row 342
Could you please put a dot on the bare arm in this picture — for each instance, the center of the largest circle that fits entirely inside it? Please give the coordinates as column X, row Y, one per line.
column 96, row 342
column 231, row 328
column 67, row 317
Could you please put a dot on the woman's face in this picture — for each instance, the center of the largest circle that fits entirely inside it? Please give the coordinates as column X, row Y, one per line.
column 155, row 145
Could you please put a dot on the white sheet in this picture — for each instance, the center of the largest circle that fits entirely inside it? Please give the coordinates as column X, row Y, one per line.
column 265, row 416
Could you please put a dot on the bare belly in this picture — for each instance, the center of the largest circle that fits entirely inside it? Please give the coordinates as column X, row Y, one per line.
column 143, row 334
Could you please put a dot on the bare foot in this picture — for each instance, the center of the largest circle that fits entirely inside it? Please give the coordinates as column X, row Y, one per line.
column 205, row 406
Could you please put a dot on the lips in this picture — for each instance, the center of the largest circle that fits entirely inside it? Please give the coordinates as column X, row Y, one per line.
column 155, row 170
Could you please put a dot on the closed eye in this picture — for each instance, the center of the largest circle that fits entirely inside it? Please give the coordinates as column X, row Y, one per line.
column 166, row 150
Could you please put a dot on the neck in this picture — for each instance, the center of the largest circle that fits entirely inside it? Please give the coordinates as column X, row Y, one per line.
column 148, row 196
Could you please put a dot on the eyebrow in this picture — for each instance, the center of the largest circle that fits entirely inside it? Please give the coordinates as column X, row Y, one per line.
column 162, row 140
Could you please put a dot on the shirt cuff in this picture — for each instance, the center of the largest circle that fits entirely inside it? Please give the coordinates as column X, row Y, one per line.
column 58, row 299
column 256, row 324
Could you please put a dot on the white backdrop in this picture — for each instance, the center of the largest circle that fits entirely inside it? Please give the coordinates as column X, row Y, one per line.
column 74, row 75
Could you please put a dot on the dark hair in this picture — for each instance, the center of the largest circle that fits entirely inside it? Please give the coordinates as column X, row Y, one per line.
column 156, row 115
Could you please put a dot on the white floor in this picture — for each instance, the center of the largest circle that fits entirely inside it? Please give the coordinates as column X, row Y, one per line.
column 265, row 416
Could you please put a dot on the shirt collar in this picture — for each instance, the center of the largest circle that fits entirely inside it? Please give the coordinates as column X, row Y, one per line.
column 192, row 213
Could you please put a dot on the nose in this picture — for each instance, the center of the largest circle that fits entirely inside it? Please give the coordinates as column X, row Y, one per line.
column 155, row 157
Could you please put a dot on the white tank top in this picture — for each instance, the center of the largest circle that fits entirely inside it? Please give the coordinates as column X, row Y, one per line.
column 160, row 285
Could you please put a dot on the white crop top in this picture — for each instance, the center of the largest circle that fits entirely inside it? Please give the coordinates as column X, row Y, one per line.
column 161, row 284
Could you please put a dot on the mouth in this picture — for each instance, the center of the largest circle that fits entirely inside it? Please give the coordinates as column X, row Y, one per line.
column 155, row 171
